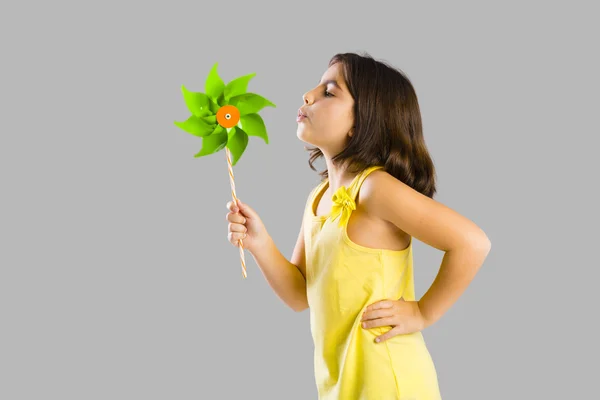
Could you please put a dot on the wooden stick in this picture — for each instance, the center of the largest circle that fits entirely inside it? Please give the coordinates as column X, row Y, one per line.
column 232, row 182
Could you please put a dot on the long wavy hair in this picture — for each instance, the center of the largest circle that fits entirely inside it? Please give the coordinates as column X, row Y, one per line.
column 388, row 130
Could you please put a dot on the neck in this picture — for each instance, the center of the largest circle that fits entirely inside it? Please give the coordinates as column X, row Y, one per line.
column 337, row 176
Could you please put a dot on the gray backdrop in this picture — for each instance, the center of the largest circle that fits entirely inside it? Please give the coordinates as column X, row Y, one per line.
column 117, row 278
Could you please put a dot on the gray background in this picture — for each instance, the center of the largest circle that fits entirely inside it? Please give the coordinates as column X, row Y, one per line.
column 117, row 278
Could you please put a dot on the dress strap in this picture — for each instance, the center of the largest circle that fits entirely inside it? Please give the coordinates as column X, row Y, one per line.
column 310, row 204
column 360, row 178
column 344, row 199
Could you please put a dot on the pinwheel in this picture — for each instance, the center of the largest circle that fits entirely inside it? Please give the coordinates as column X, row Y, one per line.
column 224, row 116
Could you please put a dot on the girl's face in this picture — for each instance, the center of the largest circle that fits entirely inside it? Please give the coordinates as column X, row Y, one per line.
column 329, row 113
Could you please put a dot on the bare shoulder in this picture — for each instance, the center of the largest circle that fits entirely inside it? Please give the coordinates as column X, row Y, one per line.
column 378, row 184
column 383, row 196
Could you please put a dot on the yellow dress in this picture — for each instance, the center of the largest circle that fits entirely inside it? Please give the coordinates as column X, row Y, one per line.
column 343, row 278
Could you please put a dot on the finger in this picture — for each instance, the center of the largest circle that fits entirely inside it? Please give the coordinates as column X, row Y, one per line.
column 246, row 210
column 374, row 323
column 382, row 312
column 236, row 218
column 231, row 206
column 234, row 237
column 397, row 330
column 380, row 304
column 237, row 228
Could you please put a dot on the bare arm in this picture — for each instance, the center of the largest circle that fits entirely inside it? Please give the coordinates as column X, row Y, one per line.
column 299, row 260
column 286, row 278
column 465, row 245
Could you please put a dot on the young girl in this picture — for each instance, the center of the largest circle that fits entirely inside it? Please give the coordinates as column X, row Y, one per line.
column 352, row 264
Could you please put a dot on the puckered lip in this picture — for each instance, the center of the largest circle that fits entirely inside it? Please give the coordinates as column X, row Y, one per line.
column 302, row 112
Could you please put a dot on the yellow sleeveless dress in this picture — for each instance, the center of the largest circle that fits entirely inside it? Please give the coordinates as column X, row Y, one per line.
column 343, row 278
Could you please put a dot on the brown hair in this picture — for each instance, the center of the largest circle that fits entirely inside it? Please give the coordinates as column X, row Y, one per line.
column 387, row 124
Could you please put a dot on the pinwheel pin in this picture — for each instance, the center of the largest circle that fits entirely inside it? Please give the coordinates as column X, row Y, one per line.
column 224, row 117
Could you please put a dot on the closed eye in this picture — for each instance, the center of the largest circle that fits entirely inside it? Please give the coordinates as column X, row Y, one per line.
column 328, row 94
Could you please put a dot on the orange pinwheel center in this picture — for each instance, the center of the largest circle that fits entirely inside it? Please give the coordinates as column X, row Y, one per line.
column 228, row 116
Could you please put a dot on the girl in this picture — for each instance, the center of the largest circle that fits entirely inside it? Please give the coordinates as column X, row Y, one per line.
column 352, row 264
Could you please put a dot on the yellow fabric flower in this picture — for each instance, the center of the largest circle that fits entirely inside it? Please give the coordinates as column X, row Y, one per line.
column 342, row 204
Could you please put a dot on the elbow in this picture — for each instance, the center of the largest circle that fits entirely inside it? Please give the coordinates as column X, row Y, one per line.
column 479, row 245
column 479, row 242
column 482, row 247
column 486, row 244
column 300, row 307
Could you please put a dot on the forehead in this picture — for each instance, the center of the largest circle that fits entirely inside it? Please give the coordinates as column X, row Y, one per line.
column 334, row 76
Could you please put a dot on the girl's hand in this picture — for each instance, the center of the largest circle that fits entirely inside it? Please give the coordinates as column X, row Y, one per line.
column 403, row 316
column 245, row 224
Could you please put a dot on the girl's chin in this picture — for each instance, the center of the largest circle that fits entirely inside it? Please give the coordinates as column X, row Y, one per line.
column 301, row 133
column 303, row 137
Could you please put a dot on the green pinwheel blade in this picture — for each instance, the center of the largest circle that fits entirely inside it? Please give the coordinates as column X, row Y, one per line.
column 196, row 126
column 254, row 125
column 213, row 142
column 211, row 119
column 237, row 143
column 250, row 103
column 214, row 106
column 198, row 103
column 214, row 85
column 237, row 87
